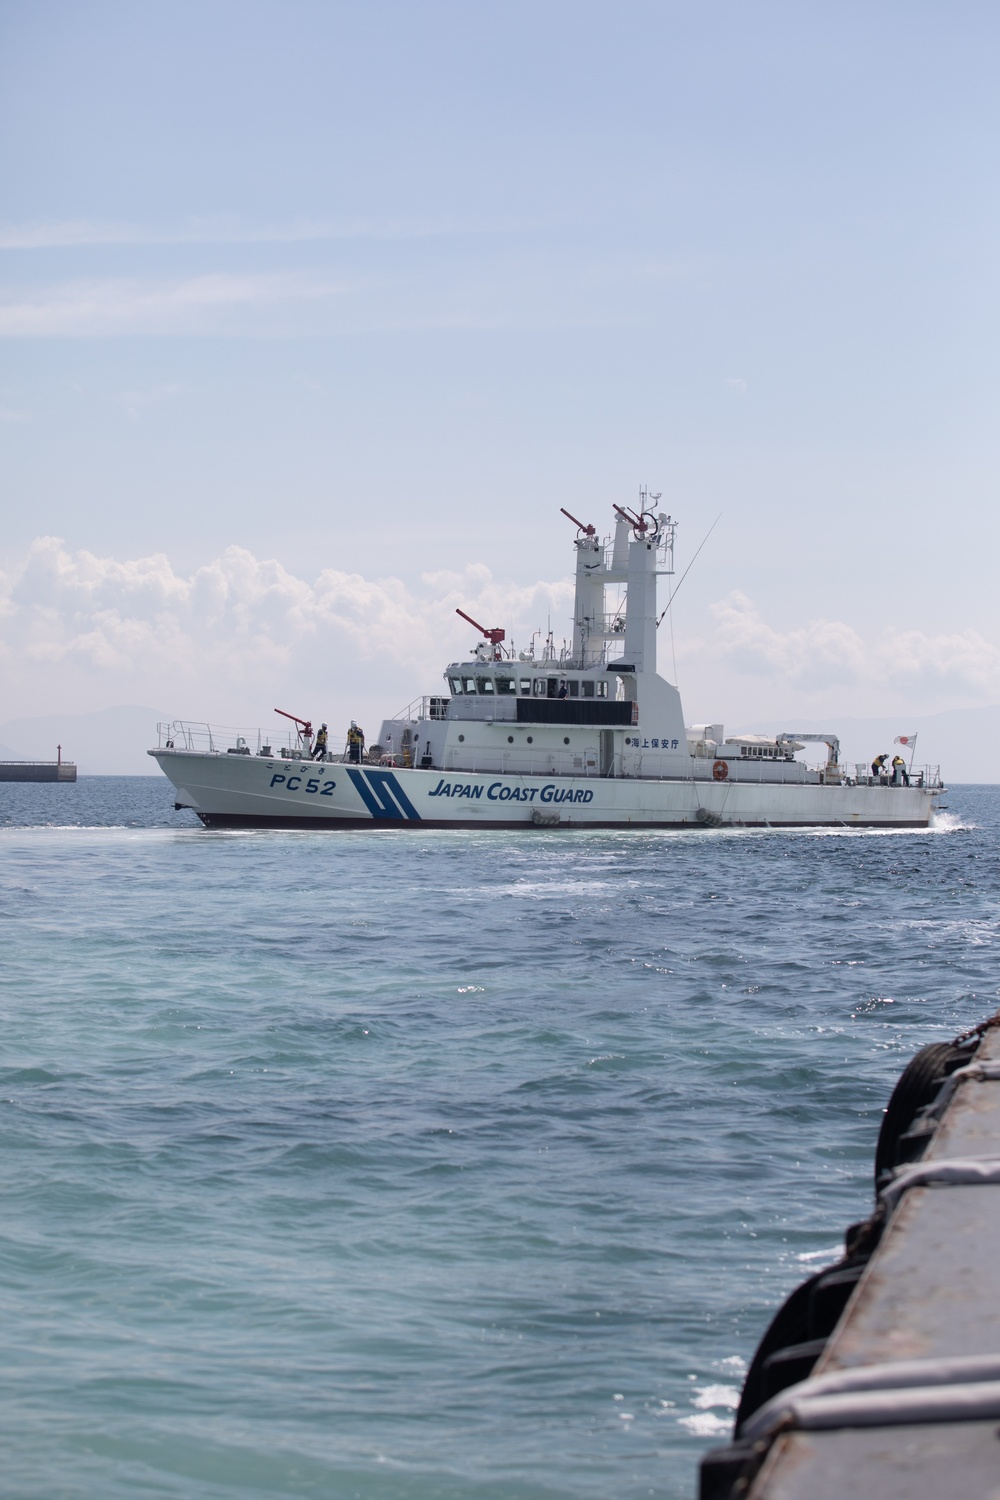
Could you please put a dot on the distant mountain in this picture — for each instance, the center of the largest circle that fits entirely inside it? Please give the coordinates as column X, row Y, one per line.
column 111, row 742
column 964, row 742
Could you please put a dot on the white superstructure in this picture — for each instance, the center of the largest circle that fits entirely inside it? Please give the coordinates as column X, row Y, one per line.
column 587, row 735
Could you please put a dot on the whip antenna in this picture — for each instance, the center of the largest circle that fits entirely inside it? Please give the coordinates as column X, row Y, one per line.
column 687, row 570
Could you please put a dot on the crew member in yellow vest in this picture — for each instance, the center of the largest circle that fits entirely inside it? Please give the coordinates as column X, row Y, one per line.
column 355, row 742
column 899, row 771
column 319, row 749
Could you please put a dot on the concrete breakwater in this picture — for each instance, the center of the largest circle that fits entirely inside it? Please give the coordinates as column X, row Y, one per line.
column 37, row 770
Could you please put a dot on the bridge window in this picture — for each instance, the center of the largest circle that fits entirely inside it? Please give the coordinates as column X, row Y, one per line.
column 574, row 687
column 469, row 684
column 455, row 683
column 586, row 688
column 525, row 686
column 484, row 684
column 602, row 688
column 540, row 687
column 506, row 685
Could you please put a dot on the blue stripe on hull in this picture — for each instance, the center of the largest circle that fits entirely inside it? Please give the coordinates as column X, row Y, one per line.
column 377, row 789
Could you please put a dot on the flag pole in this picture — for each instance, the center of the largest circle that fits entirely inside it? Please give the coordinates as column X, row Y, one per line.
column 913, row 751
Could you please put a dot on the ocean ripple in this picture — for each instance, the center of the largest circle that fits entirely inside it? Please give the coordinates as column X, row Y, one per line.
column 414, row 1164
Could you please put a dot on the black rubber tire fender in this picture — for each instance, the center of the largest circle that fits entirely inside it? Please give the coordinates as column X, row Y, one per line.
column 790, row 1325
column 917, row 1086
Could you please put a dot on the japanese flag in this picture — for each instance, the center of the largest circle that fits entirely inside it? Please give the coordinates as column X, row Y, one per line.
column 905, row 739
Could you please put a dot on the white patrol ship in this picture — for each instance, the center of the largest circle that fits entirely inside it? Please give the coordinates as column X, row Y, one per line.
column 587, row 736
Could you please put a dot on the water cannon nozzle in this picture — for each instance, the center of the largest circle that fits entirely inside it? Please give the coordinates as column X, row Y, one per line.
column 494, row 636
column 587, row 530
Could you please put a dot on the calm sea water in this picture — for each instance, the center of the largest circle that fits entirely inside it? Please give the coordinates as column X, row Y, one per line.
column 455, row 1165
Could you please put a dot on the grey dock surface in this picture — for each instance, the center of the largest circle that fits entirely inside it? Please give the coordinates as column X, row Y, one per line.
column 930, row 1291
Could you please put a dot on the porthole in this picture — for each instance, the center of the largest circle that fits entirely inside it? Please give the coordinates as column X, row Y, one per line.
column 510, row 739
column 566, row 740
column 461, row 738
column 530, row 740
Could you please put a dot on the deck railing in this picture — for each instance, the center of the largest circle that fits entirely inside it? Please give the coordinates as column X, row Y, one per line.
column 225, row 739
column 922, row 776
column 430, row 706
column 218, row 739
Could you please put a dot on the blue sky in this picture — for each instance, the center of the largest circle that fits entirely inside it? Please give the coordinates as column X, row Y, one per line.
column 369, row 290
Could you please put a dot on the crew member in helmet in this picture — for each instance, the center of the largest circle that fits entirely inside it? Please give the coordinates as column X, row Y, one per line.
column 355, row 742
column 878, row 766
column 319, row 749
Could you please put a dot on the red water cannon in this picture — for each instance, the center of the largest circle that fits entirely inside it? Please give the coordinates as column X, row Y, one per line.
column 305, row 725
column 640, row 521
column 493, row 636
column 587, row 530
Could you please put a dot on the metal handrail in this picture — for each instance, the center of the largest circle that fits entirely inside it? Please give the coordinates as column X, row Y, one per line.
column 217, row 739
column 199, row 736
column 422, row 706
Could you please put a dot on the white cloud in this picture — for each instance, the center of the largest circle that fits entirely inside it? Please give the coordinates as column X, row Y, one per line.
column 191, row 305
column 240, row 635
column 85, row 631
column 72, row 233
column 536, row 288
column 827, row 654
column 134, row 403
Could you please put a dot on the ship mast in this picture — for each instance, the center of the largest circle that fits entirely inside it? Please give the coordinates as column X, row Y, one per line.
column 650, row 554
column 642, row 549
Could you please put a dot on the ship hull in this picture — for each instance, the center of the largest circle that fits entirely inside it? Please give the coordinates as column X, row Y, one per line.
column 229, row 791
